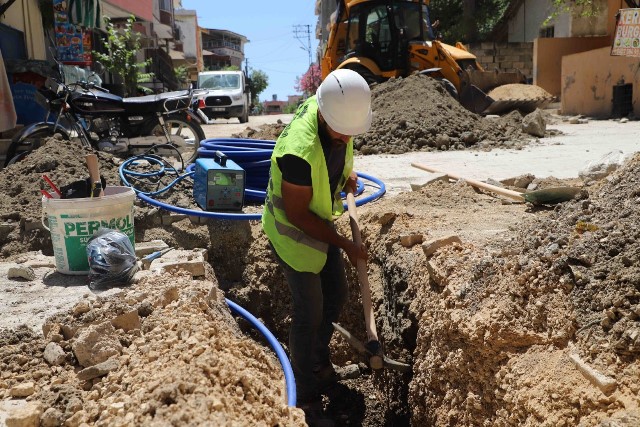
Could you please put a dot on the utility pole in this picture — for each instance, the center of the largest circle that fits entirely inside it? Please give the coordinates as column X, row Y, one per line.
column 299, row 32
column 246, row 66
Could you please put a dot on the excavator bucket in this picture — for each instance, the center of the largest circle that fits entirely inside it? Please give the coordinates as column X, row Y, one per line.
column 487, row 80
column 508, row 91
column 474, row 99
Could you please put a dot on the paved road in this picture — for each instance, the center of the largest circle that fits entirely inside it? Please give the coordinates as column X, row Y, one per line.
column 562, row 156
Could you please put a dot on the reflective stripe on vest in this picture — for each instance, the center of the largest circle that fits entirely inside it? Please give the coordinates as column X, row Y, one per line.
column 293, row 233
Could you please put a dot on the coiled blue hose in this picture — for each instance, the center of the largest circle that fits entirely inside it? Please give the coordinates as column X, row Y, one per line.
column 275, row 345
column 253, row 155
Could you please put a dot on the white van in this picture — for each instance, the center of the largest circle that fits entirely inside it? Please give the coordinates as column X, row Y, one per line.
column 228, row 94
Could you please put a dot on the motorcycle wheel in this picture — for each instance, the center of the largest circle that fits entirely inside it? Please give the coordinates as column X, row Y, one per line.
column 188, row 129
column 19, row 148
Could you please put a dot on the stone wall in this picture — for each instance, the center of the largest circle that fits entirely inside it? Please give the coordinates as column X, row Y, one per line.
column 505, row 56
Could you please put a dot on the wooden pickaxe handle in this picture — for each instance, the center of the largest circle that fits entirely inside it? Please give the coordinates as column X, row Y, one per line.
column 375, row 360
column 94, row 170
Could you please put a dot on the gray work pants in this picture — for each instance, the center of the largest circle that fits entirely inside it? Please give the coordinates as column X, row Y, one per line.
column 318, row 300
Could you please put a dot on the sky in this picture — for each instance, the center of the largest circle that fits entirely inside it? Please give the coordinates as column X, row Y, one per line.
column 269, row 25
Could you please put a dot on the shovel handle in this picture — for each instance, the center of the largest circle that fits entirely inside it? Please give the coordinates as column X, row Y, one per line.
column 94, row 170
column 502, row 191
column 375, row 361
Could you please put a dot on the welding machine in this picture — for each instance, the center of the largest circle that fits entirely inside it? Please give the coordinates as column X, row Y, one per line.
column 218, row 183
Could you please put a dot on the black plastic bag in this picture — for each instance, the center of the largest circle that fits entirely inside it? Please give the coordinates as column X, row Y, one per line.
column 112, row 259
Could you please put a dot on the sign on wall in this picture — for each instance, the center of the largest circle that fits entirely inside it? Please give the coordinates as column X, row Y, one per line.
column 627, row 36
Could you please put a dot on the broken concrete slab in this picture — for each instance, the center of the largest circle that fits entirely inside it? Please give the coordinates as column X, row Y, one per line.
column 411, row 239
column 21, row 272
column 192, row 261
column 146, row 248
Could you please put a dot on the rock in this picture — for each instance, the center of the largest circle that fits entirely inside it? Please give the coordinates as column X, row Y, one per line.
column 603, row 167
column 521, row 181
column 22, row 272
column 432, row 246
column 23, row 390
column 410, row 239
column 81, row 308
column 96, row 344
column 54, row 354
column 434, row 178
column 127, row 321
column 192, row 261
column 99, row 370
column 534, row 123
column 27, row 415
column 52, row 417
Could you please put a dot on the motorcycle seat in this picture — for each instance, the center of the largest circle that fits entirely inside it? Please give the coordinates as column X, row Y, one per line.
column 151, row 99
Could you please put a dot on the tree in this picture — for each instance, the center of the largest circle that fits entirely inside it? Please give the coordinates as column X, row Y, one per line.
column 309, row 82
column 258, row 82
column 182, row 75
column 121, row 59
column 584, row 8
column 467, row 20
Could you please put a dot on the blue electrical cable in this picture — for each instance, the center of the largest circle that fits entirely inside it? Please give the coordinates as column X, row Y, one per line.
column 275, row 345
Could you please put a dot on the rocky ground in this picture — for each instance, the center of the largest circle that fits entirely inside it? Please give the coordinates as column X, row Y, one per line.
column 527, row 316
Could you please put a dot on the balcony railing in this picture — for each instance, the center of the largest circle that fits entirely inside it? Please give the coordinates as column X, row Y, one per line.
column 213, row 44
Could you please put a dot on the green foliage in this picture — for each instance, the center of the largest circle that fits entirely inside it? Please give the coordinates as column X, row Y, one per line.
column 182, row 74
column 258, row 82
column 485, row 15
column 231, row 68
column 122, row 48
column 290, row 108
column 583, row 8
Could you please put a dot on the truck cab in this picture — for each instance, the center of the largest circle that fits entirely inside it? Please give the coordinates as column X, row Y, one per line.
column 228, row 94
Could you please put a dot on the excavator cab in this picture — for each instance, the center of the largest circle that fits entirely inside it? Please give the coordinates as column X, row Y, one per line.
column 381, row 39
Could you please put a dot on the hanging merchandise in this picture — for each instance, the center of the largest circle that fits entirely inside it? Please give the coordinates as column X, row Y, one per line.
column 73, row 43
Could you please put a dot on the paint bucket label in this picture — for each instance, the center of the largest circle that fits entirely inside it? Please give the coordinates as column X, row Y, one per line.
column 72, row 222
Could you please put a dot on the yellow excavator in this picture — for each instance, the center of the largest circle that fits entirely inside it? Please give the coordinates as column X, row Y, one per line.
column 381, row 39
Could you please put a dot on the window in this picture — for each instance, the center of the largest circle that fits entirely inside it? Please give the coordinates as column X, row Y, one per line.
column 546, row 33
column 165, row 5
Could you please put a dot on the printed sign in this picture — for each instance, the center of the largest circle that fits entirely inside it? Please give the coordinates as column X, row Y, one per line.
column 627, row 39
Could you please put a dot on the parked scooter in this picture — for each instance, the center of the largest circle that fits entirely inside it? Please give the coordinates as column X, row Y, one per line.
column 106, row 122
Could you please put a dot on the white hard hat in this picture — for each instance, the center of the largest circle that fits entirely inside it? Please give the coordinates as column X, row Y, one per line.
column 344, row 99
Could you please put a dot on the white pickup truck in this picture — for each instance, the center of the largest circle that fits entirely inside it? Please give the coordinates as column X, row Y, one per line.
column 228, row 94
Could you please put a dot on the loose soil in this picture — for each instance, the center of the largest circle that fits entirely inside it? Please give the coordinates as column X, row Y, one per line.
column 490, row 325
column 417, row 113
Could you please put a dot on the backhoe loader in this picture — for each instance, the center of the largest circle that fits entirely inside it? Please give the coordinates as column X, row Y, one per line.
column 381, row 39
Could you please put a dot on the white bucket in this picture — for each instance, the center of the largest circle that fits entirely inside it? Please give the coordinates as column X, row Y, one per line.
column 72, row 222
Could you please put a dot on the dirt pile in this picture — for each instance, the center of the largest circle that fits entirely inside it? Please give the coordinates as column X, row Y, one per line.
column 417, row 113
column 503, row 334
column 269, row 132
column 164, row 352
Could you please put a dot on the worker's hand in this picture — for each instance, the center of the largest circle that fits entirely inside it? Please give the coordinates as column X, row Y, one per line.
column 352, row 183
column 355, row 252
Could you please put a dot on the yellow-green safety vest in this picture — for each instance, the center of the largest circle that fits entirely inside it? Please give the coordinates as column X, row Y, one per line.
column 300, row 138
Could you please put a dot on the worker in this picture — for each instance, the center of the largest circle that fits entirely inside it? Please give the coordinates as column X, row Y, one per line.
column 311, row 163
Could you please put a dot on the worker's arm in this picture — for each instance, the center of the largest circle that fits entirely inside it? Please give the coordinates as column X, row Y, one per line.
column 296, row 199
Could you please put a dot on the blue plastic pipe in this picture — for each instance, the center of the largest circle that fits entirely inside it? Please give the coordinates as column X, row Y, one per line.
column 275, row 345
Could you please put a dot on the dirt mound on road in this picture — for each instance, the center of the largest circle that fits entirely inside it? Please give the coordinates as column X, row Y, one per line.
column 417, row 113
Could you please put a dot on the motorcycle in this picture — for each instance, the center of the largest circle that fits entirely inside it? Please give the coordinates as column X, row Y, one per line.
column 106, row 122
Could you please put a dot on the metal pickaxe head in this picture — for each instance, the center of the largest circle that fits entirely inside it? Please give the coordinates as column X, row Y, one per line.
column 373, row 351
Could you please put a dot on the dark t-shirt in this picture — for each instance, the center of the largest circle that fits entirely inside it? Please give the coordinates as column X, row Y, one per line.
column 296, row 170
